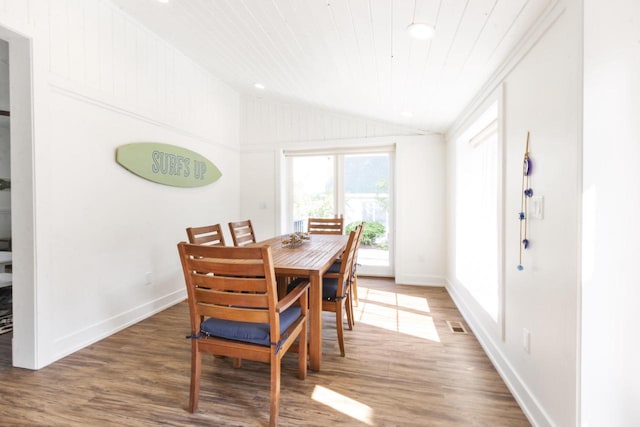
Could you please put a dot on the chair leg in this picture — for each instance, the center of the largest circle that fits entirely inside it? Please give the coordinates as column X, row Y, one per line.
column 275, row 390
column 340, row 327
column 349, row 310
column 196, row 363
column 354, row 285
column 282, row 282
column 302, row 352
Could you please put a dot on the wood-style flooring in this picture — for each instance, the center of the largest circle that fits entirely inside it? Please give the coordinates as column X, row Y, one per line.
column 403, row 367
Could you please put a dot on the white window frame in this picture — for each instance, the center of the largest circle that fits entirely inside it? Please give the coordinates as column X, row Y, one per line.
column 466, row 131
column 339, row 153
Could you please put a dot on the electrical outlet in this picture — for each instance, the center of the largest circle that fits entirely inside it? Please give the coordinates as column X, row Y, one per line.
column 148, row 278
column 526, row 340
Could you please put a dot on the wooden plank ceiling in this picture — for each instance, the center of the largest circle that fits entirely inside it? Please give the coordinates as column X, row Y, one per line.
column 350, row 56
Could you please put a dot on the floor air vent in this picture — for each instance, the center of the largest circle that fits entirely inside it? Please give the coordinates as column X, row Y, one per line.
column 456, row 327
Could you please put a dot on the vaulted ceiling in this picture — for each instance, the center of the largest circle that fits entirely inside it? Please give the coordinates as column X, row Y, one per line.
column 350, row 56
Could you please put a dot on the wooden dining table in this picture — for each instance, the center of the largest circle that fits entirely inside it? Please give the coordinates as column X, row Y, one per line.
column 310, row 259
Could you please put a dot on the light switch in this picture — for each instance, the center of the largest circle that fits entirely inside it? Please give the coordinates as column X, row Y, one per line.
column 536, row 207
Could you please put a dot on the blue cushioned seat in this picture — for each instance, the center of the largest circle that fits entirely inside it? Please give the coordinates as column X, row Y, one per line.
column 329, row 287
column 256, row 333
column 294, row 283
column 335, row 267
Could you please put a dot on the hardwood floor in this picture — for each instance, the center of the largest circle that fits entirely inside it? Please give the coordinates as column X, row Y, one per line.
column 403, row 367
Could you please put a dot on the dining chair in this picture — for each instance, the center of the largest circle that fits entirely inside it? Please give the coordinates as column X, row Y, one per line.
column 325, row 225
column 335, row 267
column 234, row 312
column 336, row 290
column 242, row 233
column 210, row 235
column 354, row 268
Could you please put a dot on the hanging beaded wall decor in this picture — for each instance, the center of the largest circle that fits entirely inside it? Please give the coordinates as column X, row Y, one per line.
column 527, row 192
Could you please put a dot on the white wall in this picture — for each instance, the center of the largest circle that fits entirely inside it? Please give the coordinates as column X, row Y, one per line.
column 5, row 138
column 611, row 287
column 542, row 93
column 259, row 192
column 101, row 80
column 271, row 127
column 420, row 214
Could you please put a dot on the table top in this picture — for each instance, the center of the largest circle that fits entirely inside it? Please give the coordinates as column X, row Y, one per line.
column 314, row 255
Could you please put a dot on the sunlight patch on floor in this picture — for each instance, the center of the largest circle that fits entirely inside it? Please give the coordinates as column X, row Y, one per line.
column 414, row 303
column 396, row 312
column 343, row 404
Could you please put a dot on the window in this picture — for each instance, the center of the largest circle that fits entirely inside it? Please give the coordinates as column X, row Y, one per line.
column 355, row 184
column 478, row 211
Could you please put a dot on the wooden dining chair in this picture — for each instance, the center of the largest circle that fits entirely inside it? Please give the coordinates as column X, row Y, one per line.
column 325, row 225
column 235, row 312
column 336, row 290
column 242, row 233
column 209, row 235
column 335, row 268
column 354, row 267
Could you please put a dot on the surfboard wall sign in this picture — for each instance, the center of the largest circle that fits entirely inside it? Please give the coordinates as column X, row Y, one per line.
column 167, row 164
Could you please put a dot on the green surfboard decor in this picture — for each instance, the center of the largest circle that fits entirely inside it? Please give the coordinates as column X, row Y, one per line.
column 167, row 164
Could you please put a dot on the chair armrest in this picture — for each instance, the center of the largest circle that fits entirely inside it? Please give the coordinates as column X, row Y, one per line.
column 292, row 296
column 331, row 275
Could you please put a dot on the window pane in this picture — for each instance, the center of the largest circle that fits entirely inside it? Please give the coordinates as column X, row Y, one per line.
column 477, row 219
column 313, row 187
column 366, row 197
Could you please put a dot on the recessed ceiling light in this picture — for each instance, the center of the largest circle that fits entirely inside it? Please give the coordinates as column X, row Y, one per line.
column 421, row 31
column 407, row 114
column 259, row 86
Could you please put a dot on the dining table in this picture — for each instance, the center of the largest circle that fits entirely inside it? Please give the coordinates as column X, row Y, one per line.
column 310, row 259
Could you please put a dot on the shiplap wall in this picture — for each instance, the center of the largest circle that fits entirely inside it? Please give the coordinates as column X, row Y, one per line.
column 98, row 51
column 268, row 122
column 100, row 80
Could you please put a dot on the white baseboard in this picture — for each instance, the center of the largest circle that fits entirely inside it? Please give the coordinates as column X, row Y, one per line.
column 528, row 403
column 408, row 279
column 77, row 340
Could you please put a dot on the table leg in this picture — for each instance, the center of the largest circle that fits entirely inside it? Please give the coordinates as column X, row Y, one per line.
column 315, row 322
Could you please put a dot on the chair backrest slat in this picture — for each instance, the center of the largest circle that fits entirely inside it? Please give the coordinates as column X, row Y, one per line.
column 226, row 283
column 253, row 300
column 325, row 225
column 210, row 235
column 242, row 233
column 233, row 313
column 229, row 267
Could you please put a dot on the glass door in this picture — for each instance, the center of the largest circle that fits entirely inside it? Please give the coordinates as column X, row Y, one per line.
column 312, row 188
column 366, row 190
column 357, row 186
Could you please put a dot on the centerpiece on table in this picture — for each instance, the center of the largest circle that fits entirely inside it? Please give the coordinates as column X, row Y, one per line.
column 294, row 240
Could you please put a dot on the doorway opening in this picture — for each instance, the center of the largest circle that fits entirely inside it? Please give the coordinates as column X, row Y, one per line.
column 6, row 277
column 20, row 229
